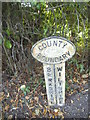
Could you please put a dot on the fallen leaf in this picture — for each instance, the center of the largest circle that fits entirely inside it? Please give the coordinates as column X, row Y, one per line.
column 11, row 100
column 60, row 114
column 36, row 98
column 78, row 99
column 10, row 117
column 70, row 81
column 37, row 111
column 56, row 112
column 7, row 107
column 45, row 111
column 27, row 97
column 72, row 101
column 84, row 82
column 85, row 76
column 75, row 80
column 1, row 96
column 86, row 90
column 33, row 114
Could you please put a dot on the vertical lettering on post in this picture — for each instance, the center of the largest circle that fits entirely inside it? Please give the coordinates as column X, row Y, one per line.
column 53, row 52
column 60, row 83
column 49, row 80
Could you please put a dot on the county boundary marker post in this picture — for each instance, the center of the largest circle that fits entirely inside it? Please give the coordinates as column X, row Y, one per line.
column 53, row 52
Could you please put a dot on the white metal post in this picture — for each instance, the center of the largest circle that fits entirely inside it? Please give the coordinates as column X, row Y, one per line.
column 55, row 83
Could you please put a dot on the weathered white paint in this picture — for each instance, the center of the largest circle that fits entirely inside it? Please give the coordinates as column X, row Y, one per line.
column 50, row 85
column 53, row 50
column 55, row 83
column 60, row 83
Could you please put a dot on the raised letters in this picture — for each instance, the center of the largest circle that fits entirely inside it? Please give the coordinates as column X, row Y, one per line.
column 59, row 69
column 53, row 52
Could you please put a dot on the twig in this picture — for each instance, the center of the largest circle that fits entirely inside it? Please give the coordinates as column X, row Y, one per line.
column 59, row 6
column 27, row 38
column 77, row 20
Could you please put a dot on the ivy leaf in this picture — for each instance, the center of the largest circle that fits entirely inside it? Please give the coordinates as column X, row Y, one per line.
column 7, row 44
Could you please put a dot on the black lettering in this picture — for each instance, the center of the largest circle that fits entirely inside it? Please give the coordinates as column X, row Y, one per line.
column 59, row 74
column 56, row 59
column 43, row 58
column 60, row 43
column 58, row 79
column 60, row 95
column 68, row 53
column 49, row 79
column 59, row 88
column 55, row 43
column 60, row 58
column 40, row 48
column 48, row 43
column 59, row 69
column 51, row 95
column 50, row 88
column 48, row 69
column 60, row 92
column 44, row 45
column 64, row 56
column 48, row 74
column 51, row 59
column 60, row 100
column 46, row 59
column 39, row 55
column 64, row 45
column 60, row 83
column 50, row 84
column 51, row 102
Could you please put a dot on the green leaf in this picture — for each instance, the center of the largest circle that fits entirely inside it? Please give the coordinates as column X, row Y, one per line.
column 27, row 90
column 8, row 32
column 38, row 6
column 7, row 44
column 33, row 3
column 24, row 92
column 45, row 30
column 23, row 87
column 66, row 85
column 81, row 68
column 77, row 65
